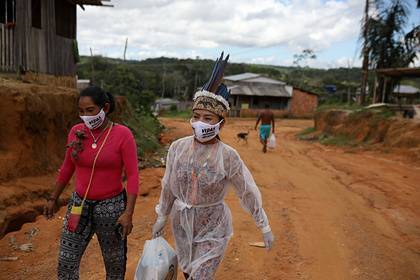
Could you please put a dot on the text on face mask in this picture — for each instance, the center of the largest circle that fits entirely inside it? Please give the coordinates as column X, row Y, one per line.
column 94, row 121
column 207, row 132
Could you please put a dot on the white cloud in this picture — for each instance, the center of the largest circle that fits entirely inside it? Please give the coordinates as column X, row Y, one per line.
column 183, row 27
column 318, row 63
column 416, row 62
column 270, row 60
column 343, row 62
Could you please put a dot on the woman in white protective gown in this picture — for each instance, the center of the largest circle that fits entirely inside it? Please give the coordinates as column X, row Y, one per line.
column 199, row 171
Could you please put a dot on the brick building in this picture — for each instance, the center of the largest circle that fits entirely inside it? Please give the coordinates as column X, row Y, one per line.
column 251, row 92
column 303, row 103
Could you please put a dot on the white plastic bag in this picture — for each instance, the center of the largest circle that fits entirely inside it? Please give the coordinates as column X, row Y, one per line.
column 158, row 262
column 271, row 141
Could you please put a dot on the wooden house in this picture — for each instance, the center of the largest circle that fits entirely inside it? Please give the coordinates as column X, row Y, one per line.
column 39, row 36
column 251, row 92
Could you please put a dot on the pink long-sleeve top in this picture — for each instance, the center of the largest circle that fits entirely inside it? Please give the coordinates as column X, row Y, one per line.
column 118, row 153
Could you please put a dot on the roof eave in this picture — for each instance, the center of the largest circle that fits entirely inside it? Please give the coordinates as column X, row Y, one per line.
column 399, row 72
column 82, row 3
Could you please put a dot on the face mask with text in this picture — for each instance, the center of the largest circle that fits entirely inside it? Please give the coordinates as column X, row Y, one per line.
column 93, row 122
column 204, row 132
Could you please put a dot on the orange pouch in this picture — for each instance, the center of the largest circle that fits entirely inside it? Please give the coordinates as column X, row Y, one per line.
column 74, row 218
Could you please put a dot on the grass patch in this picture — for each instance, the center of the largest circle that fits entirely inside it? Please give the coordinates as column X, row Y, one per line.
column 339, row 140
column 339, row 106
column 373, row 115
column 327, row 139
column 303, row 135
column 177, row 114
column 385, row 114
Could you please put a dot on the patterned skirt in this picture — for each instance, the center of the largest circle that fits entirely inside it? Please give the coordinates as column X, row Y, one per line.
column 98, row 217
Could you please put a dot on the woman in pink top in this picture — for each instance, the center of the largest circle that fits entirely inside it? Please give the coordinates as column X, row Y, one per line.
column 108, row 208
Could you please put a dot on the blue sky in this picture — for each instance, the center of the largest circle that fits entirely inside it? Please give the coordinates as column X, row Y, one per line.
column 252, row 31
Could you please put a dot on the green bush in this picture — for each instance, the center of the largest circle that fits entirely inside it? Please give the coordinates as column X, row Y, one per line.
column 173, row 108
column 143, row 100
column 146, row 129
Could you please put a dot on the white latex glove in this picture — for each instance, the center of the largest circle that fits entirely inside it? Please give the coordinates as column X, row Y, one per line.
column 268, row 240
column 157, row 229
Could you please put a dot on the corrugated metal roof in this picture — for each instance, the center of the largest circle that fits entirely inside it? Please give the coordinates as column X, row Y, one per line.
column 276, row 91
column 243, row 76
column 252, row 78
column 264, row 80
column 406, row 89
column 166, row 101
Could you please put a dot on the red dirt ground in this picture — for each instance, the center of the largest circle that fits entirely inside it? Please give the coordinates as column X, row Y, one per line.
column 336, row 214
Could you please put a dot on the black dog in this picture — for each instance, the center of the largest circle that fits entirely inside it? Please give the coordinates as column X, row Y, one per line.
column 242, row 136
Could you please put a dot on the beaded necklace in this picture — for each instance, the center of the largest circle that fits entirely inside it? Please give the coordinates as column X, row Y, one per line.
column 95, row 140
column 196, row 175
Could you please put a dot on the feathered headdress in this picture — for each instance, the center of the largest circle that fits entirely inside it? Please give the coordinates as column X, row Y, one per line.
column 214, row 95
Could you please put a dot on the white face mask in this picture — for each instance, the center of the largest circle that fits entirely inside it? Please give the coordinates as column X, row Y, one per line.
column 93, row 122
column 205, row 132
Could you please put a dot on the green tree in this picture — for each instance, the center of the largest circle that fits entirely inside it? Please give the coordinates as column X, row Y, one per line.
column 387, row 43
column 303, row 57
column 121, row 81
column 144, row 100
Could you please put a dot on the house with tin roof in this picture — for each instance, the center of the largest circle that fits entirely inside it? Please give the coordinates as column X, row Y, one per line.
column 250, row 92
column 406, row 94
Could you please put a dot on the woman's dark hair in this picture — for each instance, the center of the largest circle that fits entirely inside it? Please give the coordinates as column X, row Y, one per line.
column 99, row 97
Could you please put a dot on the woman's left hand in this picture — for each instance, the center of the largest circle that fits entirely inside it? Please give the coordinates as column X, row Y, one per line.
column 268, row 240
column 126, row 221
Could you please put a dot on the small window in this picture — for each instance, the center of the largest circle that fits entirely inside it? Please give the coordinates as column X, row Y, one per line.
column 36, row 14
column 3, row 12
column 8, row 11
column 65, row 19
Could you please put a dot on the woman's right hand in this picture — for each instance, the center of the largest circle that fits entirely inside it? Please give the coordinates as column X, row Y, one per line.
column 49, row 208
column 158, row 227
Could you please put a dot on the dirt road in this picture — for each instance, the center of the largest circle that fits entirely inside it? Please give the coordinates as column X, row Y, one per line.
column 336, row 214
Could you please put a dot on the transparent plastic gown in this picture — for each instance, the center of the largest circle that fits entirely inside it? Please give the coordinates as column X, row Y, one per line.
column 196, row 180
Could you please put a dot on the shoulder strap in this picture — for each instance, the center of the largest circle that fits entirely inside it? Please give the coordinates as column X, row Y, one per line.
column 94, row 163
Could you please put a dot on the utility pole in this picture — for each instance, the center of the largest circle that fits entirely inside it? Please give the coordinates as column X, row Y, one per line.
column 348, row 95
column 163, row 80
column 365, row 64
column 125, row 48
column 92, row 67
column 195, row 80
column 175, row 88
column 349, row 66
